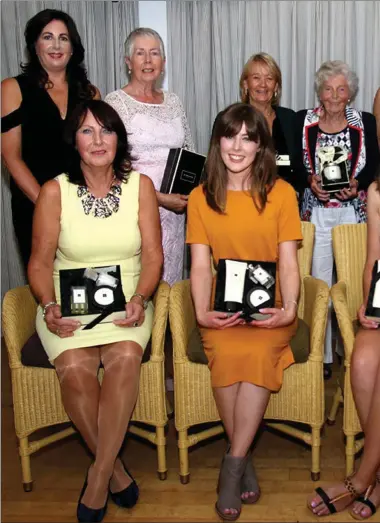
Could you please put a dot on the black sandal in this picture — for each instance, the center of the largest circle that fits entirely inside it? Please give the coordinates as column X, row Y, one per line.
column 329, row 502
column 364, row 500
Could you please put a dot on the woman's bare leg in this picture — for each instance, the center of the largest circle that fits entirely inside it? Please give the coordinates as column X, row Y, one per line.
column 241, row 407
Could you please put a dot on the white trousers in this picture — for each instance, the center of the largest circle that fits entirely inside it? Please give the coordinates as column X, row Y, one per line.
column 324, row 220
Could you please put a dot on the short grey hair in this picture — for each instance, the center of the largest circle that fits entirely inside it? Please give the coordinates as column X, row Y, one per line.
column 142, row 31
column 336, row 68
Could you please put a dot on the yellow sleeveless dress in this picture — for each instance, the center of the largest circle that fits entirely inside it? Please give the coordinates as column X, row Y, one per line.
column 86, row 241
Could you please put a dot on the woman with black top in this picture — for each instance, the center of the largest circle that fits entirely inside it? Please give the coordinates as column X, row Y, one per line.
column 260, row 86
column 35, row 105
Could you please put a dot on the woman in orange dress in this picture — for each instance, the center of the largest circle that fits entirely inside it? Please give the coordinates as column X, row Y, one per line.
column 243, row 211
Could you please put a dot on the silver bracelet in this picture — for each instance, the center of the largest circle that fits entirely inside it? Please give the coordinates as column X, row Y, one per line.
column 46, row 307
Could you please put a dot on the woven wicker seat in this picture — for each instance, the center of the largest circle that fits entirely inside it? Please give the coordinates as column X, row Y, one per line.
column 350, row 248
column 36, row 391
column 301, row 398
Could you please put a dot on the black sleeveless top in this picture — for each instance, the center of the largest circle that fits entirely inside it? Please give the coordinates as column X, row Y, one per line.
column 43, row 148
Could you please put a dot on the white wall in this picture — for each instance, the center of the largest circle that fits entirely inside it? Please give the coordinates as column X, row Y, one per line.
column 153, row 14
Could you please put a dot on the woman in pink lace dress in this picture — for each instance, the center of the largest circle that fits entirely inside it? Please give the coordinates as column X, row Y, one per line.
column 156, row 122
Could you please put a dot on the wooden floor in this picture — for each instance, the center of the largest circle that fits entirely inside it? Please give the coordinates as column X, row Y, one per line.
column 58, row 472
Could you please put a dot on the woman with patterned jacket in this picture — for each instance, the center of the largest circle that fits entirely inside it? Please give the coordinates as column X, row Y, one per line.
column 335, row 138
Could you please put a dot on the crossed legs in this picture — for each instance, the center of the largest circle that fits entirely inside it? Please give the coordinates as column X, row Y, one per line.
column 241, row 407
column 365, row 381
column 101, row 414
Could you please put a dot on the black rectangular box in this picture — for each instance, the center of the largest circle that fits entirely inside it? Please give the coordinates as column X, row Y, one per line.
column 333, row 169
column 85, row 298
column 245, row 285
column 372, row 311
column 183, row 172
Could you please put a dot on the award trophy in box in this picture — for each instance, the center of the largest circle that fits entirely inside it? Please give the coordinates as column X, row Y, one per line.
column 333, row 168
column 245, row 286
column 92, row 295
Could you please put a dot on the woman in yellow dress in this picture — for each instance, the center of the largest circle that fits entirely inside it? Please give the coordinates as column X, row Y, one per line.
column 244, row 212
column 101, row 213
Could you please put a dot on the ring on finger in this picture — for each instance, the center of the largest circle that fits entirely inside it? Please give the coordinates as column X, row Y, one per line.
column 58, row 332
column 136, row 324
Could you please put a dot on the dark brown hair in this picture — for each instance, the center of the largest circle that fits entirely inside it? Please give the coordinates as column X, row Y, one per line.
column 75, row 71
column 106, row 116
column 263, row 175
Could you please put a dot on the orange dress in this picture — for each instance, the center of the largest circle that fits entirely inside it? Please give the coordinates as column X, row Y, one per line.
column 246, row 353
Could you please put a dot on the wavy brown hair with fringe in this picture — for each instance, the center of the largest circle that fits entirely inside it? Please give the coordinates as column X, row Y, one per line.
column 263, row 173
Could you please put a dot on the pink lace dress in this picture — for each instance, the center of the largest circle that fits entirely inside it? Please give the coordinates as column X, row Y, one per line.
column 153, row 130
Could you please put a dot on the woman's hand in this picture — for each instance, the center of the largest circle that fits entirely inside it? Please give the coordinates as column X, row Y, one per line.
column 62, row 327
column 173, row 202
column 219, row 320
column 316, row 188
column 348, row 194
column 364, row 322
column 134, row 315
column 279, row 318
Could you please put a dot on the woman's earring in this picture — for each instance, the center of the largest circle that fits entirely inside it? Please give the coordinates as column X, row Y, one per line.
column 349, row 100
column 162, row 73
column 129, row 72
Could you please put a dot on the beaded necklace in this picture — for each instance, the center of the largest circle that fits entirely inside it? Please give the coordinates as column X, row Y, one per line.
column 100, row 207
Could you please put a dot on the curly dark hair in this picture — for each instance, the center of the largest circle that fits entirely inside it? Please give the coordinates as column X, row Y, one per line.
column 76, row 73
column 228, row 123
column 107, row 117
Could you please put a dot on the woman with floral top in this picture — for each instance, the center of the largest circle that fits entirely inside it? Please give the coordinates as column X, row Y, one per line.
column 335, row 138
column 156, row 122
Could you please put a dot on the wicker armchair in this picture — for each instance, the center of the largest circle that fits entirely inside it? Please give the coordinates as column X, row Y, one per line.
column 36, row 392
column 350, row 247
column 301, row 398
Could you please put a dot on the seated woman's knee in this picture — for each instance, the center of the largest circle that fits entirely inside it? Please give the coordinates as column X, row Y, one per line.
column 366, row 355
column 127, row 355
column 75, row 366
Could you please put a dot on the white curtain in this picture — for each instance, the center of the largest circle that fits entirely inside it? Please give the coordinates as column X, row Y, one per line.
column 103, row 26
column 209, row 42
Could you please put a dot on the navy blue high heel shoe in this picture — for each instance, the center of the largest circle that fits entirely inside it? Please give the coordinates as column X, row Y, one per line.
column 128, row 497
column 90, row 515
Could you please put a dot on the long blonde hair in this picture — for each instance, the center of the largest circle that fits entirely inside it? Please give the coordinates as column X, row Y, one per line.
column 270, row 62
column 263, row 175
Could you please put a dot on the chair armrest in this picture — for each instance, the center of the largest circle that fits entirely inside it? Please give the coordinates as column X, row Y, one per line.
column 315, row 314
column 19, row 320
column 182, row 318
column 340, row 302
column 160, row 320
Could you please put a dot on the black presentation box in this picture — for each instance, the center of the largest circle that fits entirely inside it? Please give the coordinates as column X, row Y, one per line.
column 93, row 293
column 372, row 311
column 333, row 169
column 245, row 285
column 183, row 172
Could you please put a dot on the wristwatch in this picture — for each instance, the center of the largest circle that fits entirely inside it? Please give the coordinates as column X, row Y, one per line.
column 144, row 301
